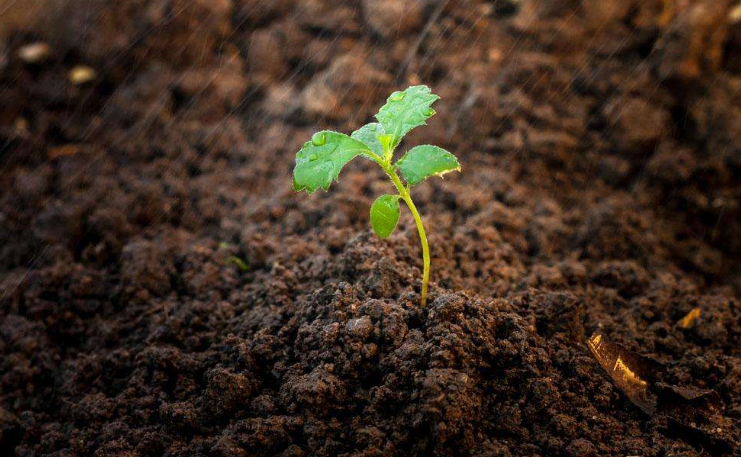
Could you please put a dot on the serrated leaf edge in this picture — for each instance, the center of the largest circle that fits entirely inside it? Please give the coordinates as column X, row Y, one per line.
column 440, row 175
column 334, row 179
column 424, row 122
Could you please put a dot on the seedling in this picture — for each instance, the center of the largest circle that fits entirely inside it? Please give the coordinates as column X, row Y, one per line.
column 233, row 259
column 241, row 264
column 320, row 161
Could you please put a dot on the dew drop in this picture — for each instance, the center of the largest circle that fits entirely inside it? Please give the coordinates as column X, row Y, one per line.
column 319, row 139
column 397, row 96
column 429, row 112
column 313, row 157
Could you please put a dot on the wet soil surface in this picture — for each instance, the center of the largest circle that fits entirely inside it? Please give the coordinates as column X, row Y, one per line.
column 586, row 262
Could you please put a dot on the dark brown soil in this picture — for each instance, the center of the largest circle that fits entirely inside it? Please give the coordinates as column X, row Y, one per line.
column 600, row 194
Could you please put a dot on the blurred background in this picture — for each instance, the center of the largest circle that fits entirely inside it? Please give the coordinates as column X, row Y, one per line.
column 608, row 99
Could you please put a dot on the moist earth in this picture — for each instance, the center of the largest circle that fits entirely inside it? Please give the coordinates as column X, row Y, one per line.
column 599, row 195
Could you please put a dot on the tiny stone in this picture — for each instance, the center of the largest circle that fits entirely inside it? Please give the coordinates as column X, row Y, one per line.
column 82, row 74
column 360, row 328
column 34, row 52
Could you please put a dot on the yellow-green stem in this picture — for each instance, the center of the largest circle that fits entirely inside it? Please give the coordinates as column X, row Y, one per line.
column 404, row 194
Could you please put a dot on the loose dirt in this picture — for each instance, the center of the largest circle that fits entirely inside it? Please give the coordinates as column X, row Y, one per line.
column 600, row 195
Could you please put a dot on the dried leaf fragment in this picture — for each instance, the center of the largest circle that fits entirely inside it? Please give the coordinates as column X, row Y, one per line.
column 628, row 370
column 689, row 400
column 689, row 320
column 66, row 150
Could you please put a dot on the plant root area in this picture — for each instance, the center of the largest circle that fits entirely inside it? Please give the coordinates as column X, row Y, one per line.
column 164, row 292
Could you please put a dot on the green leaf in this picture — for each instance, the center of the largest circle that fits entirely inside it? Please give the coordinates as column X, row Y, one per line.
column 421, row 162
column 387, row 143
column 241, row 264
column 320, row 160
column 384, row 215
column 406, row 110
column 369, row 134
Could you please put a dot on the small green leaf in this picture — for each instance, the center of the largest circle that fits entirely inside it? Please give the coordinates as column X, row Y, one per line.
column 421, row 162
column 384, row 215
column 320, row 160
column 241, row 264
column 406, row 110
column 369, row 134
column 387, row 143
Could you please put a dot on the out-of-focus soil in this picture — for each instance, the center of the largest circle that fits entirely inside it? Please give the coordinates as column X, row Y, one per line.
column 600, row 194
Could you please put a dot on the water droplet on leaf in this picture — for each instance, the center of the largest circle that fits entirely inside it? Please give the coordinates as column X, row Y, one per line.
column 397, row 96
column 429, row 112
column 319, row 139
column 313, row 157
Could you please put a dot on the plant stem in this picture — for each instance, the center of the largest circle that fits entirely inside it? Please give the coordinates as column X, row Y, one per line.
column 425, row 248
column 404, row 194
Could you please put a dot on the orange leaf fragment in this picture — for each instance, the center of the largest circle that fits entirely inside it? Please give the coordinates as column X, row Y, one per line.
column 629, row 371
column 689, row 320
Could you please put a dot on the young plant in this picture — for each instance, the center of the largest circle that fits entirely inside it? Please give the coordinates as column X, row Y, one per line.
column 320, row 160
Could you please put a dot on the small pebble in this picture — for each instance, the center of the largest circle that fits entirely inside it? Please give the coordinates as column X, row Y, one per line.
column 360, row 328
column 21, row 126
column 82, row 74
column 34, row 52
